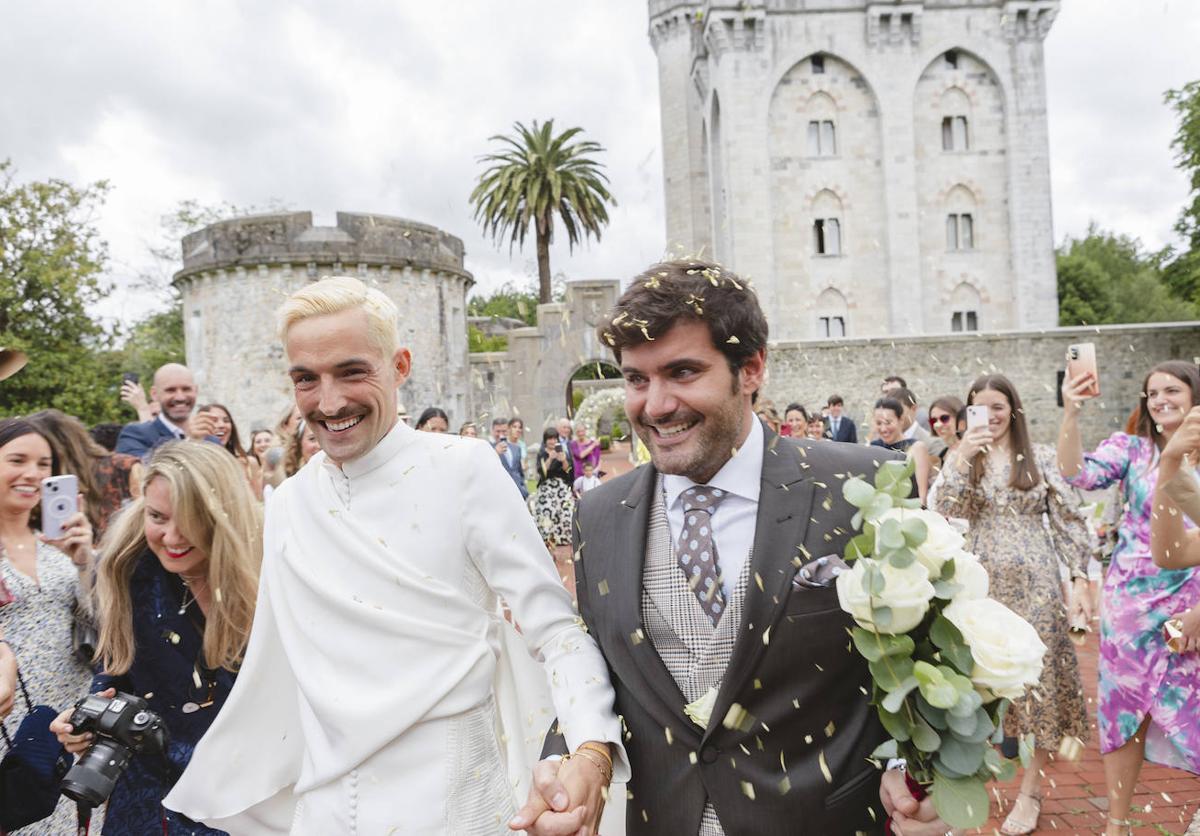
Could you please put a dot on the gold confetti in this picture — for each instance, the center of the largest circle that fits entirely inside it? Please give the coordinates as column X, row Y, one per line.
column 748, row 790
column 824, row 767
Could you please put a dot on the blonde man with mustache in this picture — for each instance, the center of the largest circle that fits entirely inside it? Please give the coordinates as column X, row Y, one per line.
column 374, row 677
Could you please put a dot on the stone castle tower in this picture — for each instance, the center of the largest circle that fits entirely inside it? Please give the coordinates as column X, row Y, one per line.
column 237, row 273
column 874, row 167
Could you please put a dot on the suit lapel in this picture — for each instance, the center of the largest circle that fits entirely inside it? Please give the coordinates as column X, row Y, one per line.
column 631, row 521
column 784, row 507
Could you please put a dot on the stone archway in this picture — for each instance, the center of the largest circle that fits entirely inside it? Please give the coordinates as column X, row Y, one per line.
column 588, row 378
column 599, row 410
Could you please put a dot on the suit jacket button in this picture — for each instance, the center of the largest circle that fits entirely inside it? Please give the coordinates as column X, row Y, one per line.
column 709, row 755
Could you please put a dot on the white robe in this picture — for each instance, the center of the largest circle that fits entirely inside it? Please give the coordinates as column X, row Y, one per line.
column 376, row 658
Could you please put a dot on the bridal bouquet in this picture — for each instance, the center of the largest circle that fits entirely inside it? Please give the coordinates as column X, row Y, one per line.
column 945, row 659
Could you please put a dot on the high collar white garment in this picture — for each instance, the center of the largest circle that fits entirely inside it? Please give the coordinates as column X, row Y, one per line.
column 735, row 519
column 369, row 623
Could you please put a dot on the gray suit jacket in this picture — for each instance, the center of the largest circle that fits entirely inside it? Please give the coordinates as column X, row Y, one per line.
column 799, row 684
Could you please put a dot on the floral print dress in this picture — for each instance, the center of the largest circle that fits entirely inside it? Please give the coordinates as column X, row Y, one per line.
column 1139, row 675
column 1022, row 559
column 37, row 625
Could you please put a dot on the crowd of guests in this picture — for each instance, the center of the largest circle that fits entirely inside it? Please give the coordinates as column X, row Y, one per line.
column 151, row 588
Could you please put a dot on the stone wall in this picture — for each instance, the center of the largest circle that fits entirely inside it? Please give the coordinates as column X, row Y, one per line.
column 237, row 273
column 808, row 372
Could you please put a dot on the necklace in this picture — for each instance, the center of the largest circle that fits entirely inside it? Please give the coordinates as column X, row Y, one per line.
column 187, row 590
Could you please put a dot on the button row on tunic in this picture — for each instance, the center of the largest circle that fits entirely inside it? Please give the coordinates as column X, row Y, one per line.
column 353, row 802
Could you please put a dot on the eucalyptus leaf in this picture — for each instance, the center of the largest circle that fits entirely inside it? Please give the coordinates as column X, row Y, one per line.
column 890, row 672
column 1025, row 748
column 880, row 505
column 862, row 545
column 946, row 589
column 897, row 725
column 882, row 616
column 936, row 717
column 944, row 634
column 960, row 657
column 963, row 727
column 891, row 472
column 890, row 536
column 961, row 802
column 999, row 767
column 948, row 570
column 925, row 738
column 901, row 645
column 867, row 644
column 915, row 531
column 886, row 750
column 858, row 492
column 878, row 581
column 1000, row 709
column 902, row 558
column 911, row 504
column 895, row 697
column 857, row 520
column 963, row 758
column 983, row 727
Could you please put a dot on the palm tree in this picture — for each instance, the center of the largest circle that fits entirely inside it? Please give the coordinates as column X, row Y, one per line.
column 536, row 176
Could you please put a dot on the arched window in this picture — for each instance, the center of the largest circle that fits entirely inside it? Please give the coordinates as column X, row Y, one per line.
column 822, row 125
column 960, row 220
column 965, row 305
column 956, row 111
column 827, row 224
column 831, row 314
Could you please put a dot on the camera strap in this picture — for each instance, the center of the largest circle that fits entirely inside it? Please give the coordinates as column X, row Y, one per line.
column 83, row 818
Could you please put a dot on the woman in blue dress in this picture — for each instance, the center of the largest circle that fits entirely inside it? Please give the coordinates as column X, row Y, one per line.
column 176, row 587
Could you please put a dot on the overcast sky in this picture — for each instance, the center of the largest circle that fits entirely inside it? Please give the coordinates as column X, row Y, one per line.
column 386, row 106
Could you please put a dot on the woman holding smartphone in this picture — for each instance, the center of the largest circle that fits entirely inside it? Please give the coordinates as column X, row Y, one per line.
column 554, row 500
column 46, row 581
column 176, row 590
column 1003, row 484
column 1142, row 713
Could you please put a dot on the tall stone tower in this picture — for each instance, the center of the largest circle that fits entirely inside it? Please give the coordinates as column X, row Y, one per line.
column 874, row 167
column 237, row 273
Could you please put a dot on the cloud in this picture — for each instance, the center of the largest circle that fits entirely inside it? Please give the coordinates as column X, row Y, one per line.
column 386, row 107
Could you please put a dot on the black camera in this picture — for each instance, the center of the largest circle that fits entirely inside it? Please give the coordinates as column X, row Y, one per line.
column 124, row 726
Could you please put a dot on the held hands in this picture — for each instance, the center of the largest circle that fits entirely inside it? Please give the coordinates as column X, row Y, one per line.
column 1076, row 390
column 566, row 799
column 909, row 816
column 76, row 542
column 76, row 744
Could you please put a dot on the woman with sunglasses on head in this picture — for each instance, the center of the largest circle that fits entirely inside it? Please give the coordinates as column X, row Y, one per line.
column 1003, row 485
column 1142, row 713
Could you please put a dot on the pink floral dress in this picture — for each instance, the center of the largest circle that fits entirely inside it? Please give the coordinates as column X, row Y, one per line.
column 1138, row 674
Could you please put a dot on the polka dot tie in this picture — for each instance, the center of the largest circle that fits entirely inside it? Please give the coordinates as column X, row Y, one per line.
column 697, row 552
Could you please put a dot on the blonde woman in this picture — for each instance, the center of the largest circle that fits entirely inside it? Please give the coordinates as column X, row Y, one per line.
column 175, row 590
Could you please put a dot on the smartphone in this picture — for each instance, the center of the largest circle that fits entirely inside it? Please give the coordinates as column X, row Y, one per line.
column 130, row 377
column 1081, row 358
column 60, row 501
column 977, row 416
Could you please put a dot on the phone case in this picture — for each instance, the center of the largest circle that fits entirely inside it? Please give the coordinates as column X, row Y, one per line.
column 1082, row 358
column 60, row 501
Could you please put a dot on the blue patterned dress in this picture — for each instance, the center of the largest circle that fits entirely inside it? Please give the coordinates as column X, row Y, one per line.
column 167, row 665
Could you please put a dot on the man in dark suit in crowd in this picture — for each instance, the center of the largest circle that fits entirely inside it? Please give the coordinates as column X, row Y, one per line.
column 510, row 454
column 174, row 388
column 700, row 576
column 839, row 427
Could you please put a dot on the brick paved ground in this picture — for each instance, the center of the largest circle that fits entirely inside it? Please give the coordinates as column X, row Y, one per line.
column 1074, row 794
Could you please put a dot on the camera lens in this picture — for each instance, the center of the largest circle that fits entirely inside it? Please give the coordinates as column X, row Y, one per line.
column 92, row 778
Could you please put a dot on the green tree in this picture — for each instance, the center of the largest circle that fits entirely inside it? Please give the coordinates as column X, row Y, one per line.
column 506, row 301
column 536, row 177
column 1104, row 278
column 1182, row 274
column 51, row 277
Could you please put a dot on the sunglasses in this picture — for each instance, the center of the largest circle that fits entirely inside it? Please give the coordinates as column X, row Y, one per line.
column 941, row 419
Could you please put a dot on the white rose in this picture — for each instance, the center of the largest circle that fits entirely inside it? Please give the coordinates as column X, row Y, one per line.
column 1008, row 652
column 906, row 592
column 971, row 576
column 942, row 541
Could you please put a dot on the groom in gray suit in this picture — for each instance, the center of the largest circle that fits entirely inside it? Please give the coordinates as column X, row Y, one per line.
column 707, row 576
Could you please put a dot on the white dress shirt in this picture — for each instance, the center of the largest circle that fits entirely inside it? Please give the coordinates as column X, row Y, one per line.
column 734, row 520
column 176, row 430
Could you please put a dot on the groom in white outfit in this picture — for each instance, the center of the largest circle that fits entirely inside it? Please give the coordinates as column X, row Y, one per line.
column 376, row 672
